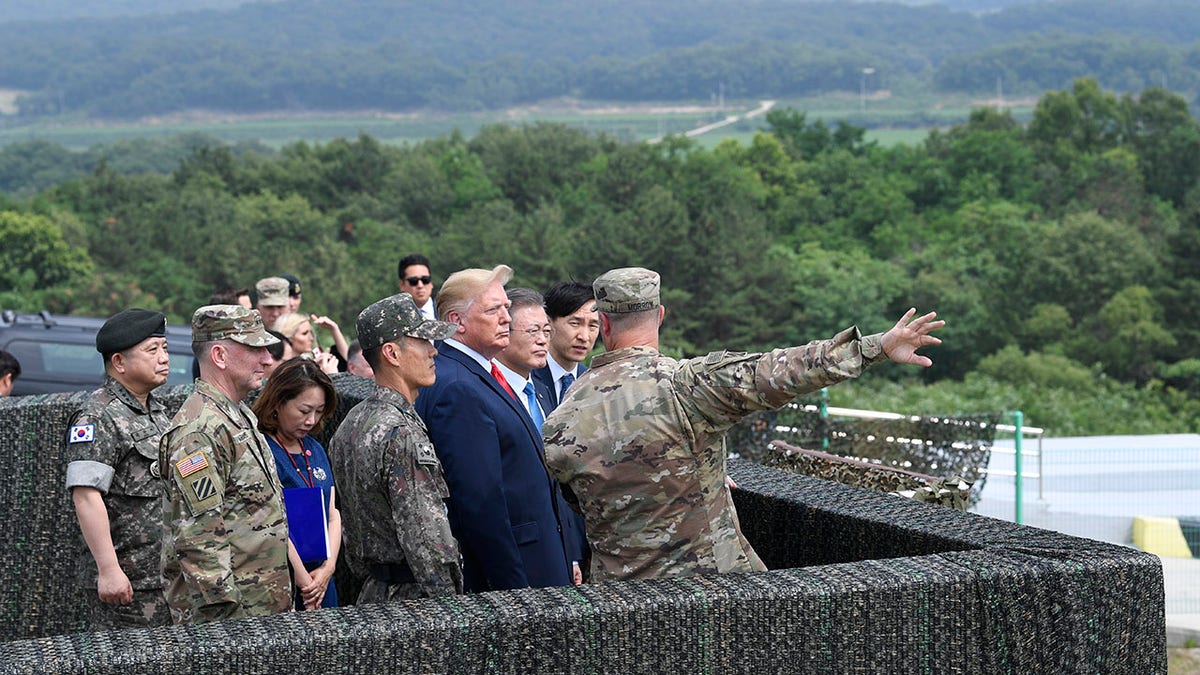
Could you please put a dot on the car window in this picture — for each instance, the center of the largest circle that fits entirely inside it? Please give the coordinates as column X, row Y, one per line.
column 60, row 359
column 70, row 364
column 181, row 368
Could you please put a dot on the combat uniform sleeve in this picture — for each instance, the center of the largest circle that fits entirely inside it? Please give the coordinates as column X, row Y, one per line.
column 195, row 478
column 94, row 447
column 724, row 387
column 417, row 493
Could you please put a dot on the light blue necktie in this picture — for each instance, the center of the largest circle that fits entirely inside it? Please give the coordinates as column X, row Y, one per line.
column 535, row 411
column 567, row 380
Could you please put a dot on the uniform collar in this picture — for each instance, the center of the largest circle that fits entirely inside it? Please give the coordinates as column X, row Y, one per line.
column 392, row 397
column 231, row 408
column 624, row 353
column 123, row 395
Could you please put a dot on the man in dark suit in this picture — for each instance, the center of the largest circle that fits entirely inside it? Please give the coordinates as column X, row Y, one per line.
column 503, row 505
column 571, row 308
column 526, row 351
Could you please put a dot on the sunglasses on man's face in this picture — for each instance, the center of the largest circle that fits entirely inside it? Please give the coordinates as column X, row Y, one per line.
column 413, row 281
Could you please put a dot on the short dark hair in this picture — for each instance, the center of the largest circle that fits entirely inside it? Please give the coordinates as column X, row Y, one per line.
column 288, row 381
column 354, row 348
column 374, row 356
column 371, row 356
column 524, row 297
column 563, row 298
column 228, row 295
column 9, row 364
column 410, row 260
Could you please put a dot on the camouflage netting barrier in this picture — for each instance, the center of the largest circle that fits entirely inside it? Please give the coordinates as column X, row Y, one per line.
column 862, row 581
column 941, row 446
column 859, row 473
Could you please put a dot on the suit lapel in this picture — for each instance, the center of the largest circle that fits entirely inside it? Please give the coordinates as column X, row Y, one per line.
column 545, row 395
column 543, row 377
column 490, row 382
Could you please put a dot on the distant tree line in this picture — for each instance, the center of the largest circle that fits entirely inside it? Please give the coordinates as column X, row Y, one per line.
column 473, row 54
column 1063, row 254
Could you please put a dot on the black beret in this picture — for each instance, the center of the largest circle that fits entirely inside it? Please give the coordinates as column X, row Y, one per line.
column 129, row 327
column 293, row 284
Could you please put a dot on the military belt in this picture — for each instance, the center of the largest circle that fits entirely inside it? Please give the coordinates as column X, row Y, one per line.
column 392, row 573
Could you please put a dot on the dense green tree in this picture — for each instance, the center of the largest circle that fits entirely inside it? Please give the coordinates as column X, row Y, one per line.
column 35, row 258
column 1086, row 260
column 1131, row 336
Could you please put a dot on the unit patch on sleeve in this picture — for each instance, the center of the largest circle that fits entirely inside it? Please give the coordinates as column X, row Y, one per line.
column 203, row 487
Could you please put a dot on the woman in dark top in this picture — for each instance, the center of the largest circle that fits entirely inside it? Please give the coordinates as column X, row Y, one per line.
column 297, row 400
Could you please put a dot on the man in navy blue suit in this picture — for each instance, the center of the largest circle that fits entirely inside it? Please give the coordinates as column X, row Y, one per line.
column 576, row 323
column 503, row 504
column 526, row 351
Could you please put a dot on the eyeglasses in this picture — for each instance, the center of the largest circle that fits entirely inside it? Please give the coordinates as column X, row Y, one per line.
column 533, row 332
column 413, row 281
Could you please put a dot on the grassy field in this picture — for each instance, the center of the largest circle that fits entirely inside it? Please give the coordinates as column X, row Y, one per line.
column 889, row 120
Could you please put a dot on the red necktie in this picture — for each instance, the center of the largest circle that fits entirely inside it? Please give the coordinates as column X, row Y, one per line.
column 503, row 382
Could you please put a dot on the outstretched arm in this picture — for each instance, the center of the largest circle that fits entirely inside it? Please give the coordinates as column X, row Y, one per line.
column 900, row 344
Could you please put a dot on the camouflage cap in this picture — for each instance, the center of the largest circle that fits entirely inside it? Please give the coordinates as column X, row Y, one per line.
column 272, row 292
column 628, row 289
column 396, row 315
column 230, row 322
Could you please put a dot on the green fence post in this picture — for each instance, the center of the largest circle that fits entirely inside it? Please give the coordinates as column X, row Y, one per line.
column 824, row 412
column 1019, row 423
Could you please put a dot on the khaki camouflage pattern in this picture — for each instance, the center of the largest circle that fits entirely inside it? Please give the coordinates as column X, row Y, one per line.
column 272, row 292
column 628, row 289
column 230, row 322
column 125, row 446
column 224, row 531
column 387, row 319
column 393, row 499
column 639, row 444
column 954, row 492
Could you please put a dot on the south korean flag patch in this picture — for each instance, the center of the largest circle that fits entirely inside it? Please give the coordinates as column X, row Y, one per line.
column 82, row 433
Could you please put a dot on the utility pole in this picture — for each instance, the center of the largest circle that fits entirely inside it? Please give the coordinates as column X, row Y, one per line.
column 862, row 88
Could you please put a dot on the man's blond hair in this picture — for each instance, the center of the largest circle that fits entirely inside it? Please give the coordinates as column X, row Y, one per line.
column 462, row 288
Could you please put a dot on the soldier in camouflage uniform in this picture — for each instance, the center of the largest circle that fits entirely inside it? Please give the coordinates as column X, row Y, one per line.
column 112, row 441
column 224, row 533
column 392, row 489
column 640, row 438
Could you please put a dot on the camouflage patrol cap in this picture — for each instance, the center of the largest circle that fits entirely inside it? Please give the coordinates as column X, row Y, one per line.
column 628, row 289
column 230, row 322
column 272, row 292
column 396, row 315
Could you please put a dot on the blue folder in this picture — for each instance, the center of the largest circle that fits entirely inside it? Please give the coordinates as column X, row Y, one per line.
column 307, row 525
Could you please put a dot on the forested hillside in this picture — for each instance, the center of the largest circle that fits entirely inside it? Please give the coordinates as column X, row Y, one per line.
column 297, row 55
column 1063, row 255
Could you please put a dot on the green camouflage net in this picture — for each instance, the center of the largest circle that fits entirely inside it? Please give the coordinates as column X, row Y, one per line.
column 952, row 492
column 954, row 448
column 860, row 582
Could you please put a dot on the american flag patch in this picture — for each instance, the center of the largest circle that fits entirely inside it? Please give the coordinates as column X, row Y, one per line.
column 191, row 464
column 82, row 433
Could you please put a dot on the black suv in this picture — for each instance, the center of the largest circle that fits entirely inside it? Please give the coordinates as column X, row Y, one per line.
column 58, row 353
